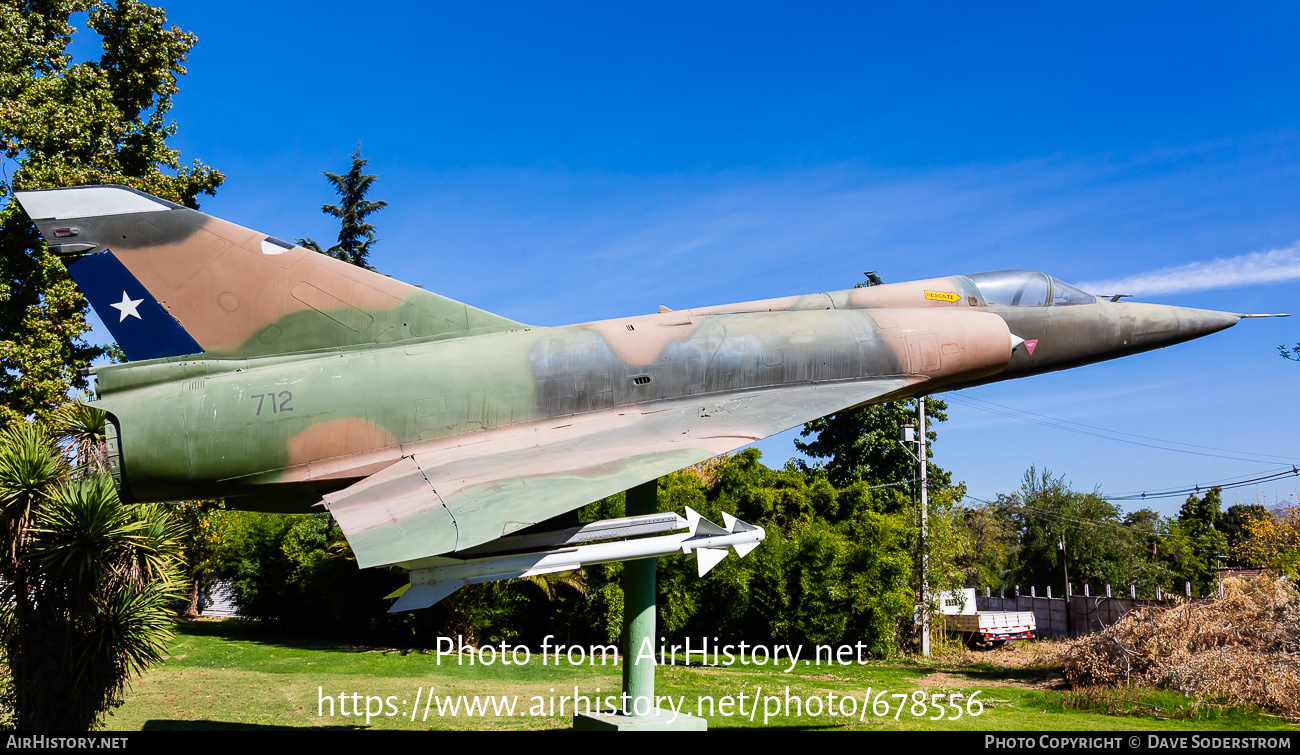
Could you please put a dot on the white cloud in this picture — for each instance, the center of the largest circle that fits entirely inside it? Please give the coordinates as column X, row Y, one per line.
column 1243, row 270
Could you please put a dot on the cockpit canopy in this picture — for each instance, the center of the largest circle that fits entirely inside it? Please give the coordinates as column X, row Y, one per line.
column 1027, row 288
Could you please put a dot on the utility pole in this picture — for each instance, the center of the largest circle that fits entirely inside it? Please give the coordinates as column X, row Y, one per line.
column 925, row 544
column 1069, row 614
column 1218, row 562
column 906, row 439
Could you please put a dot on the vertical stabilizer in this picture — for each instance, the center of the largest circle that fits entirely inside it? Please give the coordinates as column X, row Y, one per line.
column 170, row 281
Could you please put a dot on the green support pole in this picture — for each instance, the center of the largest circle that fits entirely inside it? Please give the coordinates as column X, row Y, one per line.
column 639, row 611
column 638, row 627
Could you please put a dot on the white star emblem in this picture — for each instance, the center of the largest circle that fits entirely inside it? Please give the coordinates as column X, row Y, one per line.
column 128, row 306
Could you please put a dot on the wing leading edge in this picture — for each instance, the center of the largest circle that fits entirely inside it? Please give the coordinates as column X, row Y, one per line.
column 453, row 495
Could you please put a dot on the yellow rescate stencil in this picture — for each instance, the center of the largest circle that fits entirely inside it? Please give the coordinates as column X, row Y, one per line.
column 943, row 295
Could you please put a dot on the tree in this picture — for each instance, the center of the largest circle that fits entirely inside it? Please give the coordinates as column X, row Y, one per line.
column 201, row 546
column 70, row 124
column 1272, row 541
column 863, row 444
column 1100, row 549
column 1233, row 528
column 88, row 584
column 989, row 540
column 1198, row 522
column 1154, row 543
column 298, row 574
column 355, row 235
column 837, row 565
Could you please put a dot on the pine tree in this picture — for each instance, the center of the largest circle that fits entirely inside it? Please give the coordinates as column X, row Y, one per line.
column 355, row 235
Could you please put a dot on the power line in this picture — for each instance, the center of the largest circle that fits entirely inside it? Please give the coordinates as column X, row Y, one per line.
column 1227, row 484
column 1057, row 514
column 1177, row 492
column 1108, row 434
column 1112, row 526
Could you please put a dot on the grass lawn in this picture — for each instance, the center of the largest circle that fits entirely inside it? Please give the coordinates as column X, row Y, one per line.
column 224, row 675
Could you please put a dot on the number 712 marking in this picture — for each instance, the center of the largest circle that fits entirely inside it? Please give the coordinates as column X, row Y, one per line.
column 279, row 402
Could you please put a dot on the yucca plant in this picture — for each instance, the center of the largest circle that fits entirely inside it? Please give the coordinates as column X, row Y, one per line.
column 29, row 469
column 81, row 427
column 91, row 582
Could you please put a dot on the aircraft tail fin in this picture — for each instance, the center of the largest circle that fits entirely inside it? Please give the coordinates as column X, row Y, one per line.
column 171, row 281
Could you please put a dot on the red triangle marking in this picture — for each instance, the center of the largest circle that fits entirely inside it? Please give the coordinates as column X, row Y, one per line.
column 1030, row 345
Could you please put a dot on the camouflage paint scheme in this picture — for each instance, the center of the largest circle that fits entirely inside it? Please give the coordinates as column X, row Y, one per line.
column 427, row 426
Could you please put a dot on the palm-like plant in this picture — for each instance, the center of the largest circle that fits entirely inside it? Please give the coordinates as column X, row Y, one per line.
column 551, row 583
column 29, row 469
column 82, row 427
column 90, row 585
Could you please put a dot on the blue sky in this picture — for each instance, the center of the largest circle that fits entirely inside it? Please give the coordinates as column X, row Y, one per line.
column 560, row 163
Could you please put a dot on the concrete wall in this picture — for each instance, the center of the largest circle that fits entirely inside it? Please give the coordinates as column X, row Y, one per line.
column 1088, row 613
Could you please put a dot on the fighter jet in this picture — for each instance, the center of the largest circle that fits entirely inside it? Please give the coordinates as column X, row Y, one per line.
column 283, row 380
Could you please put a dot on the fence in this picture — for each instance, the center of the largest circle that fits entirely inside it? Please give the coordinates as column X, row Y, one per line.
column 1089, row 613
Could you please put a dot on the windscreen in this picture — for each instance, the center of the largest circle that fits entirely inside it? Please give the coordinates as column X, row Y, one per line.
column 1063, row 294
column 1012, row 288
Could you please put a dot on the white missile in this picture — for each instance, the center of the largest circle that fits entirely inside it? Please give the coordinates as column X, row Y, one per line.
column 709, row 542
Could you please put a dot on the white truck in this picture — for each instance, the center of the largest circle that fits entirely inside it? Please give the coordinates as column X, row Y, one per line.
column 984, row 628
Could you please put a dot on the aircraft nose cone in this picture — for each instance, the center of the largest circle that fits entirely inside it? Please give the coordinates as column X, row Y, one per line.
column 1200, row 322
column 1157, row 325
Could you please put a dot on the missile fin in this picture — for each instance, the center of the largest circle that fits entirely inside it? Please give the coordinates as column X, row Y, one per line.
column 743, row 549
column 735, row 525
column 551, row 569
column 423, row 596
column 701, row 527
column 707, row 558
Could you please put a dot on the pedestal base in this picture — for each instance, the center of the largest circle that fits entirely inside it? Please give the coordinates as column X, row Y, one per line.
column 658, row 720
